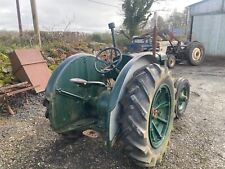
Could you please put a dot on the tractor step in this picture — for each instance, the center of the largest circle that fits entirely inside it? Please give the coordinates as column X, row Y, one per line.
column 91, row 133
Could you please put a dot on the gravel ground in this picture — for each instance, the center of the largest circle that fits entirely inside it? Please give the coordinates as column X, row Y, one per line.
column 198, row 139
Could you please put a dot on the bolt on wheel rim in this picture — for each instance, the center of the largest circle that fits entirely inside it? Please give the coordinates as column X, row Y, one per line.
column 159, row 116
column 196, row 54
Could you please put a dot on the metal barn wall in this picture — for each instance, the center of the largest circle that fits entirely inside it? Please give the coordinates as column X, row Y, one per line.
column 210, row 30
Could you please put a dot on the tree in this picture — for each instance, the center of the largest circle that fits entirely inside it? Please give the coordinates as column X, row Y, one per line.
column 161, row 24
column 137, row 13
column 177, row 19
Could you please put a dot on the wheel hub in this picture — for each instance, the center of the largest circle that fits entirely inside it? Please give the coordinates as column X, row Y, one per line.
column 196, row 54
column 154, row 113
column 182, row 100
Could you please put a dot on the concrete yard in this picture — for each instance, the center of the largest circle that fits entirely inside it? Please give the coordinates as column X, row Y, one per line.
column 198, row 139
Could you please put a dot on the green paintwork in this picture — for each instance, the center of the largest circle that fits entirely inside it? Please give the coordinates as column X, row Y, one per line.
column 118, row 90
column 159, row 116
column 132, row 64
column 71, row 106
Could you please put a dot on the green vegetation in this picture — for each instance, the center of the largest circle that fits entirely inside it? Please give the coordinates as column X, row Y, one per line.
column 56, row 46
column 106, row 38
column 6, row 76
column 136, row 15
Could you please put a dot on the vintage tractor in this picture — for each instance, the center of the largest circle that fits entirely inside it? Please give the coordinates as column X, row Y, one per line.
column 127, row 98
column 176, row 52
column 141, row 44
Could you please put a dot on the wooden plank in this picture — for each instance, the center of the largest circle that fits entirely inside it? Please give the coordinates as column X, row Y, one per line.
column 13, row 86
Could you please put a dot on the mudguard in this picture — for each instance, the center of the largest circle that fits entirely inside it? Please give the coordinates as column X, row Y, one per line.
column 138, row 61
column 69, row 112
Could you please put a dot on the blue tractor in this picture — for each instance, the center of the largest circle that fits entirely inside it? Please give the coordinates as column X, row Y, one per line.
column 141, row 44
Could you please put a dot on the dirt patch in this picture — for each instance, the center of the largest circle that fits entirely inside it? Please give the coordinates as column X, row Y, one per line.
column 27, row 141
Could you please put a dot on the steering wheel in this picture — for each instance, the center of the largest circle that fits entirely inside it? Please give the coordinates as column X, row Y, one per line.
column 107, row 60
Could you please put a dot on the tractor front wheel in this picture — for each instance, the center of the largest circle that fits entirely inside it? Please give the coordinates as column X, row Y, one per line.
column 182, row 96
column 148, row 113
column 171, row 62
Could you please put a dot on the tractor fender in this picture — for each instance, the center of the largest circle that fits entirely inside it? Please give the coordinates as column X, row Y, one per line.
column 62, row 118
column 138, row 61
column 50, row 89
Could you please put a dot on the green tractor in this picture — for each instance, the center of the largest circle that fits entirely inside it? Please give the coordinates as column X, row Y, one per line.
column 126, row 98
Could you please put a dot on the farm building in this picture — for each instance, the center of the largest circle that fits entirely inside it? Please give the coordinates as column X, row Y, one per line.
column 207, row 25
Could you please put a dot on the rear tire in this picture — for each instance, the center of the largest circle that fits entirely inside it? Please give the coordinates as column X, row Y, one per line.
column 144, row 144
column 195, row 53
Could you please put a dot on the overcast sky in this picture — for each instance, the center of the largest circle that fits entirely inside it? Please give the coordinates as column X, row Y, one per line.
column 83, row 15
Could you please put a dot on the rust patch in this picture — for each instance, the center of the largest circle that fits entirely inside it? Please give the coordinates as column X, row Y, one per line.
column 29, row 65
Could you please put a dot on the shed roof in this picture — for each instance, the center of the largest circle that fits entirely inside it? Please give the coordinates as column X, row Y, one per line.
column 197, row 3
column 205, row 7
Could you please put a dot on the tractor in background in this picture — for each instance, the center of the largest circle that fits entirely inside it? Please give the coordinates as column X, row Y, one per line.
column 130, row 98
column 176, row 52
column 141, row 44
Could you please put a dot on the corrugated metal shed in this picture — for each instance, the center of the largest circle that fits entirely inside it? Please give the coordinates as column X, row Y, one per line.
column 209, row 29
column 207, row 25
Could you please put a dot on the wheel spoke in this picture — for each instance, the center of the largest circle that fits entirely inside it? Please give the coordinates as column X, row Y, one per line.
column 156, row 97
column 162, row 105
column 162, row 120
column 153, row 136
column 183, row 96
column 156, row 129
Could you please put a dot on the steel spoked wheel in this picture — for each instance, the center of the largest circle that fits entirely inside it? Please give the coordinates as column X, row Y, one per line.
column 182, row 99
column 148, row 113
column 159, row 116
column 182, row 96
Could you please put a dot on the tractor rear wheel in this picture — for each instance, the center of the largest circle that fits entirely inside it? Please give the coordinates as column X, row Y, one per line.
column 148, row 113
column 195, row 53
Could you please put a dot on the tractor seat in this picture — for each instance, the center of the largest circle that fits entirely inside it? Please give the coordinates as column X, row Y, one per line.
column 83, row 82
